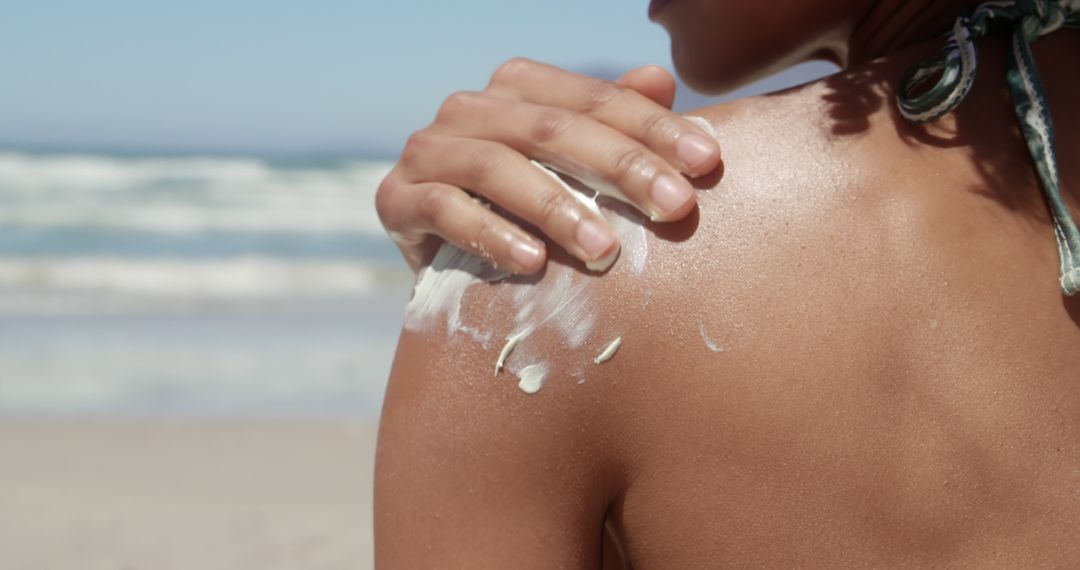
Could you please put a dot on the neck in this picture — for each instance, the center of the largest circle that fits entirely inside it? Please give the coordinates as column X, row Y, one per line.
column 891, row 25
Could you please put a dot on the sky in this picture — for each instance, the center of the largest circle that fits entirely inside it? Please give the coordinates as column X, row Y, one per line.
column 267, row 76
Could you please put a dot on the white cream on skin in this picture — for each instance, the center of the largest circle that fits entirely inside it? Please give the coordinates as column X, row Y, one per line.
column 441, row 287
column 507, row 349
column 562, row 300
column 609, row 352
column 709, row 342
column 531, row 378
column 702, row 124
column 558, row 302
column 577, row 323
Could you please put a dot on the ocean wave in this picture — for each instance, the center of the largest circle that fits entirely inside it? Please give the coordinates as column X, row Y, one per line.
column 188, row 195
column 246, row 278
column 21, row 241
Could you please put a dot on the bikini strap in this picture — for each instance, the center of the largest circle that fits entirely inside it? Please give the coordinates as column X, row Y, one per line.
column 1026, row 20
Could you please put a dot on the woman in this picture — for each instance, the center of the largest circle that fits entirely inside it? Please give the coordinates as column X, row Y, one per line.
column 855, row 352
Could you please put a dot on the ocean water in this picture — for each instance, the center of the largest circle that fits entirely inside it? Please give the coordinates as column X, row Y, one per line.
column 221, row 286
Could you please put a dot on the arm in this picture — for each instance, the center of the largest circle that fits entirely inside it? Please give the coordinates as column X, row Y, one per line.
column 473, row 470
column 472, row 473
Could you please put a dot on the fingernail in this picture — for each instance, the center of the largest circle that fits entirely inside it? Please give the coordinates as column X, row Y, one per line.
column 694, row 150
column 594, row 238
column 603, row 264
column 525, row 254
column 670, row 194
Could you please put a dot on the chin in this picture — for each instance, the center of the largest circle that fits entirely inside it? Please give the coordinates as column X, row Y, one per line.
column 701, row 80
column 717, row 68
column 713, row 75
column 718, row 46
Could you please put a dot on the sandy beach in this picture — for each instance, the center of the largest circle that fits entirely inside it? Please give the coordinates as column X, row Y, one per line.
column 126, row 495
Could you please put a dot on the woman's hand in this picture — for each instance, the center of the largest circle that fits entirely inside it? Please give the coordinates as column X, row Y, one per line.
column 621, row 134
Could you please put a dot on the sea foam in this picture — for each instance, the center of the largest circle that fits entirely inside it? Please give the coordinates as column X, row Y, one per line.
column 184, row 195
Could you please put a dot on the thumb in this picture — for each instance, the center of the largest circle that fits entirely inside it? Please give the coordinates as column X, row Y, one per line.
column 651, row 81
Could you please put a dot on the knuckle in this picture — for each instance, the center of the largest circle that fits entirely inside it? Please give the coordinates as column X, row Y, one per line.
column 551, row 123
column 551, row 205
column 433, row 206
column 511, row 70
column 599, row 94
column 629, row 162
column 416, row 147
column 385, row 199
column 483, row 164
column 655, row 125
column 455, row 104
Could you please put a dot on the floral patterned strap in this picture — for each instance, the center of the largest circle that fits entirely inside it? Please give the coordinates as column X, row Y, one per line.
column 1026, row 20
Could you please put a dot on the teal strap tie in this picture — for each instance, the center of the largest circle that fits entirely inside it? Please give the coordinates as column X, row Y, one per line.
column 955, row 70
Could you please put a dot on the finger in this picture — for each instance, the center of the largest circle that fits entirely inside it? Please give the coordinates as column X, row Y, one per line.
column 458, row 218
column 679, row 141
column 431, row 211
column 593, row 152
column 414, row 247
column 499, row 173
column 394, row 205
column 653, row 82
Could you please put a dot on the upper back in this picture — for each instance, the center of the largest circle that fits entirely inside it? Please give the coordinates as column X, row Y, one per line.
column 862, row 355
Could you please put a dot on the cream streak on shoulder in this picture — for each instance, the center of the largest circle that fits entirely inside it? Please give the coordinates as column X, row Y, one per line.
column 562, row 301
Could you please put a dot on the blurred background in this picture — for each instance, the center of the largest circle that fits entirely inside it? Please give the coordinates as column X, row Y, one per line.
column 195, row 291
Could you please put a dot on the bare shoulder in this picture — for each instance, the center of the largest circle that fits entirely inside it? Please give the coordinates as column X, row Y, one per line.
column 493, row 440
column 521, row 411
column 533, row 395
column 731, row 366
column 535, row 368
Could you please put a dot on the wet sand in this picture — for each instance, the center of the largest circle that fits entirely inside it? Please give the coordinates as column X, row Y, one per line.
column 126, row 495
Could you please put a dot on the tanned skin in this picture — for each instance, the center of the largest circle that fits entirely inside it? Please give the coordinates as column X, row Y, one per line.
column 899, row 384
